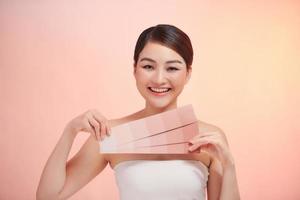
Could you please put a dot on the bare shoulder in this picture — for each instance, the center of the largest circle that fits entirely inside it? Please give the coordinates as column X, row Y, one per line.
column 114, row 122
column 118, row 121
column 124, row 119
column 207, row 127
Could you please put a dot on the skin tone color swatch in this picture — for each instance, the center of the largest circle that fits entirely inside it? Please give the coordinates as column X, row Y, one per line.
column 166, row 133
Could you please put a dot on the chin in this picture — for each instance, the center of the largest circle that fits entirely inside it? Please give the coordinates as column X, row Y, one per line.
column 160, row 104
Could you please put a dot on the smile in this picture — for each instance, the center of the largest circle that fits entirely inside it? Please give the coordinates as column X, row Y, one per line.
column 159, row 90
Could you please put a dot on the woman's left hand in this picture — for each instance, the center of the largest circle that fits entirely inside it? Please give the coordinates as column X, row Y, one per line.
column 213, row 142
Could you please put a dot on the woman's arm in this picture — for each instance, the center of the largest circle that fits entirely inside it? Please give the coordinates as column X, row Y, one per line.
column 60, row 179
column 54, row 174
column 222, row 181
column 229, row 182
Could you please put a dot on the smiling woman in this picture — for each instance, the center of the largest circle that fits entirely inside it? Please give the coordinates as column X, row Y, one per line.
column 160, row 72
column 162, row 66
column 163, row 58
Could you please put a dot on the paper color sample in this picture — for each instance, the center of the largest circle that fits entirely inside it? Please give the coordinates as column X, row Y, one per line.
column 166, row 132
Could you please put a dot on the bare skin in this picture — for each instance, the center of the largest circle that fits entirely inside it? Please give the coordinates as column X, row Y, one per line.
column 61, row 178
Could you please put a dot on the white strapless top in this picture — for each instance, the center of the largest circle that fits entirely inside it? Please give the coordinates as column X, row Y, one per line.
column 161, row 179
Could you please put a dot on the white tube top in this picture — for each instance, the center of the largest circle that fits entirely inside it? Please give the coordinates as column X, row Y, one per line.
column 161, row 179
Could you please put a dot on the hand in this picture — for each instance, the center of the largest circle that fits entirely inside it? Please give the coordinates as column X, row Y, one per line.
column 91, row 121
column 213, row 142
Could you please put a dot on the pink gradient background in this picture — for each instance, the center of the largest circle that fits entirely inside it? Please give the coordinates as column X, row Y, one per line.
column 59, row 58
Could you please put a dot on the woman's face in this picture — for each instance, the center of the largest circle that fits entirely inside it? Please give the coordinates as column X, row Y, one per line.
column 160, row 74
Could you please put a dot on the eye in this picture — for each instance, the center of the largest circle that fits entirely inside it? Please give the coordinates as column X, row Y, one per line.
column 172, row 69
column 147, row 67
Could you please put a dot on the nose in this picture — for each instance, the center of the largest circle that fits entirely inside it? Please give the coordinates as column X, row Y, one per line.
column 159, row 77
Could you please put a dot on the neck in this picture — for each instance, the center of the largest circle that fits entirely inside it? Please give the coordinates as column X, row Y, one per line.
column 150, row 110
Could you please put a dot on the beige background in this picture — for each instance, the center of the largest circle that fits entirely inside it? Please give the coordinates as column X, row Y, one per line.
column 60, row 58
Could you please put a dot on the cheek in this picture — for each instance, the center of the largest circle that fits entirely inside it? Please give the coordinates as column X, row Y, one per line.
column 178, row 80
column 141, row 77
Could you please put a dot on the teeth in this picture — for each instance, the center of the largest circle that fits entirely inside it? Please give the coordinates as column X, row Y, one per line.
column 159, row 89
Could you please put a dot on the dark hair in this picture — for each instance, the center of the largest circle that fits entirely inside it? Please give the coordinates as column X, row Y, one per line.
column 169, row 36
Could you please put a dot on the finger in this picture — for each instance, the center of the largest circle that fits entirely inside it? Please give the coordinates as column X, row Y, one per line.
column 108, row 128
column 90, row 128
column 195, row 149
column 102, row 121
column 196, row 146
column 211, row 144
column 98, row 116
column 204, row 141
column 204, row 138
column 95, row 125
column 103, row 130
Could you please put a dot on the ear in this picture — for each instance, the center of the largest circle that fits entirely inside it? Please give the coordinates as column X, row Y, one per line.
column 188, row 74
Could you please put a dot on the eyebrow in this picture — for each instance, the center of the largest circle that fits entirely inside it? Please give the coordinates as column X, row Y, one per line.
column 169, row 61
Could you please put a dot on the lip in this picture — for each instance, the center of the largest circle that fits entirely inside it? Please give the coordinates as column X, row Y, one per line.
column 159, row 94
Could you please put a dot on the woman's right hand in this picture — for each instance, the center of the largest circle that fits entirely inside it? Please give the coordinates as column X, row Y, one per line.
column 91, row 121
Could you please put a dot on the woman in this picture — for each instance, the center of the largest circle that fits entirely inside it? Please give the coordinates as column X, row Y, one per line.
column 162, row 66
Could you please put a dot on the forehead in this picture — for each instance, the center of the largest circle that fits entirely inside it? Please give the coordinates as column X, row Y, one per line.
column 159, row 53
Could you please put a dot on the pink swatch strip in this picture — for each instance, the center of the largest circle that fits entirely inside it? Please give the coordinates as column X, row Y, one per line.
column 166, row 132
